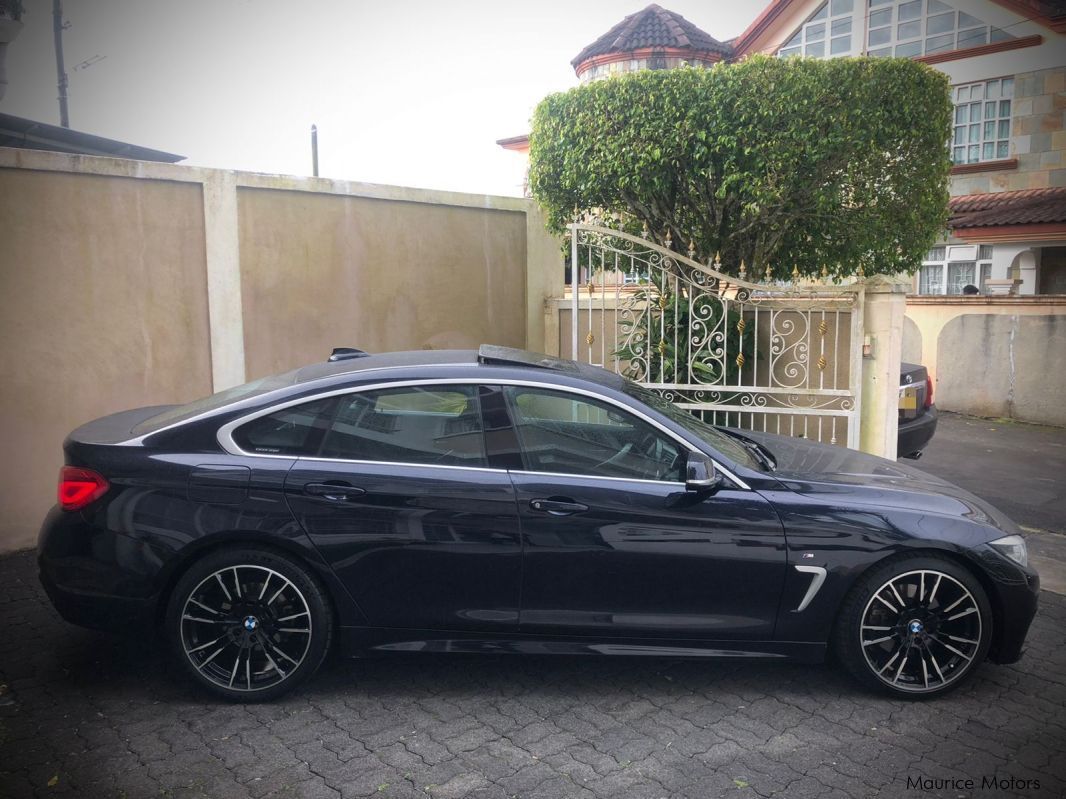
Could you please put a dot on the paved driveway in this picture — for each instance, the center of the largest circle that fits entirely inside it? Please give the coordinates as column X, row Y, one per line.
column 86, row 715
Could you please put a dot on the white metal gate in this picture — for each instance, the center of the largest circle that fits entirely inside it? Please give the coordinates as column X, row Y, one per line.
column 737, row 351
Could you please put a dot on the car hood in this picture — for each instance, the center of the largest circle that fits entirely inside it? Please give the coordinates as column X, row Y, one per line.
column 859, row 479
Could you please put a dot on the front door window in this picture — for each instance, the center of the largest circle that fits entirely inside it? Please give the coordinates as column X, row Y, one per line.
column 565, row 433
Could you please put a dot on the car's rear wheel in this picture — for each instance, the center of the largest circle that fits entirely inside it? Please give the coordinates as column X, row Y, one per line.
column 917, row 627
column 249, row 624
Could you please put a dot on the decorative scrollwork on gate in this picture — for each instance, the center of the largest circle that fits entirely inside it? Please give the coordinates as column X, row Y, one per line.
column 714, row 342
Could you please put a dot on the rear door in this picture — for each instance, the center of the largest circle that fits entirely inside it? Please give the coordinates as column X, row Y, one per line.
column 401, row 501
column 615, row 545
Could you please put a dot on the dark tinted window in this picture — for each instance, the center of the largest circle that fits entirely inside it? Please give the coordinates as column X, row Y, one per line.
column 573, row 434
column 431, row 425
column 293, row 431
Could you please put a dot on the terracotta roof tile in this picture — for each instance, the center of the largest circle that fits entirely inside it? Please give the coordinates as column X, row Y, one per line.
column 1027, row 207
column 652, row 27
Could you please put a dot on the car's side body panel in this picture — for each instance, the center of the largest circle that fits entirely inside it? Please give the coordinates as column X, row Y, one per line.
column 368, row 641
column 649, row 560
column 419, row 546
column 163, row 510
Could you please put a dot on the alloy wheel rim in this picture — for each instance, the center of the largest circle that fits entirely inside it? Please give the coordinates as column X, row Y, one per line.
column 921, row 631
column 246, row 628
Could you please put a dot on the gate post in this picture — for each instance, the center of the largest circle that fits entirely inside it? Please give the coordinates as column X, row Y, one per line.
column 884, row 306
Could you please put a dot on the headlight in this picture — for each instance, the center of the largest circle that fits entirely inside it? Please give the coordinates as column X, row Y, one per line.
column 1013, row 546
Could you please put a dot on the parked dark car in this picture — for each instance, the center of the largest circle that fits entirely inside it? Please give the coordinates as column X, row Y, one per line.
column 502, row 501
column 917, row 413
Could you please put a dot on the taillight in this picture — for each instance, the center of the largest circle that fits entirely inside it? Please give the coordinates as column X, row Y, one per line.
column 78, row 487
column 928, row 392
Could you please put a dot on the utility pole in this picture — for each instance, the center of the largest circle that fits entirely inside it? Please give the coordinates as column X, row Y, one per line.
column 61, row 72
column 314, row 150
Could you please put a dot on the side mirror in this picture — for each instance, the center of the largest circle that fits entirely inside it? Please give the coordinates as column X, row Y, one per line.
column 700, row 474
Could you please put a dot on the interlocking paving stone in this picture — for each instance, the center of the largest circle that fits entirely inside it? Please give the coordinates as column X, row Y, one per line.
column 84, row 714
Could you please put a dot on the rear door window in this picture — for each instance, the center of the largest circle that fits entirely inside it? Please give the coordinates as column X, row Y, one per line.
column 437, row 425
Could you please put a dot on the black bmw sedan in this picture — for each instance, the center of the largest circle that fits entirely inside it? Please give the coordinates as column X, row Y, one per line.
column 502, row 501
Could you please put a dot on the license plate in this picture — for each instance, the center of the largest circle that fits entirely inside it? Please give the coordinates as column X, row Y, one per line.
column 908, row 399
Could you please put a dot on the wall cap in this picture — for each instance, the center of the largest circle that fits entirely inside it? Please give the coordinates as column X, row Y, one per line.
column 1051, row 300
column 47, row 161
column 887, row 284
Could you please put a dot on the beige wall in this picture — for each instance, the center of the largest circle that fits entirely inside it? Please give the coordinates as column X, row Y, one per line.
column 104, row 309
column 126, row 283
column 319, row 271
column 992, row 356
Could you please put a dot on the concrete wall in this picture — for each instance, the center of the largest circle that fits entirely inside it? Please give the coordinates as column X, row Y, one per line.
column 992, row 356
column 104, row 308
column 127, row 283
column 320, row 270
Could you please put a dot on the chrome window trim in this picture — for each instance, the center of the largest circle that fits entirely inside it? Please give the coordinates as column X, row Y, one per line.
column 361, row 462
column 257, row 398
column 597, row 477
column 225, row 433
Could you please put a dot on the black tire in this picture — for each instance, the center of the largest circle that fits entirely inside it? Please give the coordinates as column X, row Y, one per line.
column 249, row 624
column 916, row 627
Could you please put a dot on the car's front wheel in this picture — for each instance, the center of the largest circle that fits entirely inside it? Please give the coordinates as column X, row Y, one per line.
column 917, row 626
column 249, row 624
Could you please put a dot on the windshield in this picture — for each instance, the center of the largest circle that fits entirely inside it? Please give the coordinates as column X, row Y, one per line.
column 725, row 444
column 181, row 413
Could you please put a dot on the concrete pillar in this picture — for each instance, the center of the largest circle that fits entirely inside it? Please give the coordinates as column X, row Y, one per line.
column 224, row 305
column 544, row 280
column 883, row 311
column 1028, row 263
column 1003, row 256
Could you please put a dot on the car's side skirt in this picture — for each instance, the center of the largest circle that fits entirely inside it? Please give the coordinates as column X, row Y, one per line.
column 366, row 641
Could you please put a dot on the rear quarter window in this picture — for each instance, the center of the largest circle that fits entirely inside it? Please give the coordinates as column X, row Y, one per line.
column 291, row 431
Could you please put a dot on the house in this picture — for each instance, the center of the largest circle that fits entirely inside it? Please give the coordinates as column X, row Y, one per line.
column 1006, row 60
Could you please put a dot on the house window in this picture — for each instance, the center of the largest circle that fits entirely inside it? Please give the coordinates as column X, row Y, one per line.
column 826, row 33
column 947, row 270
column 923, row 27
column 982, row 121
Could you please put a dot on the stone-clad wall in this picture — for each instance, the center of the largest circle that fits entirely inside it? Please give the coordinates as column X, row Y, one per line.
column 1038, row 138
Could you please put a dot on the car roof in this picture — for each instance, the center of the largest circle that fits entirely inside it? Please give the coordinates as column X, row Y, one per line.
column 487, row 356
column 385, row 360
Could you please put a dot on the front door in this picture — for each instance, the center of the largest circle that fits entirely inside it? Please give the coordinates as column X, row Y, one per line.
column 615, row 545
column 400, row 500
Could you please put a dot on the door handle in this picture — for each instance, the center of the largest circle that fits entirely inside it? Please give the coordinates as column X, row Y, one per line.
column 557, row 507
column 335, row 492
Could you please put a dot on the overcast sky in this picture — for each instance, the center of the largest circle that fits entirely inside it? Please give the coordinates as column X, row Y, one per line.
column 409, row 92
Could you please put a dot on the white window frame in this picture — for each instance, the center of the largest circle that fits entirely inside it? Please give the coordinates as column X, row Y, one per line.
column 945, row 256
column 912, row 28
column 818, row 31
column 981, row 121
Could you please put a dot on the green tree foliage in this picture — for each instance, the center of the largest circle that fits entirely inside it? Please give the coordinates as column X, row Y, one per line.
column 791, row 162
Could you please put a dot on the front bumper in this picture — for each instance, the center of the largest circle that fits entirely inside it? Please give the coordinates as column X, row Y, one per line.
column 1016, row 596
